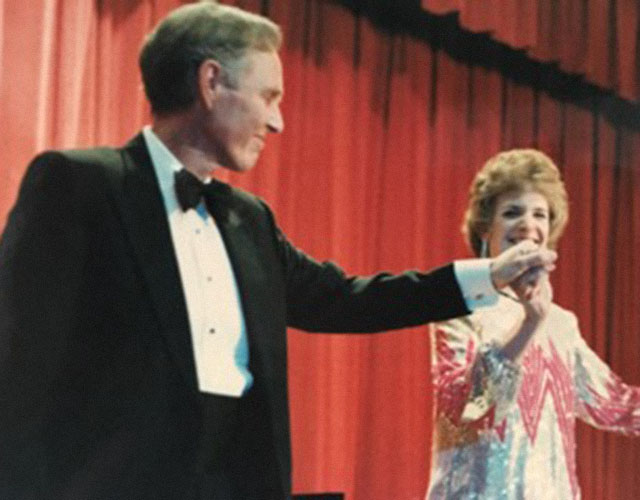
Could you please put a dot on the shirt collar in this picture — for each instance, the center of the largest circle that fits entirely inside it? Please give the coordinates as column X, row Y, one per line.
column 165, row 165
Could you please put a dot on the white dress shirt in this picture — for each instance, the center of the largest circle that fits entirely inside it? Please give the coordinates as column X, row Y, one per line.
column 218, row 331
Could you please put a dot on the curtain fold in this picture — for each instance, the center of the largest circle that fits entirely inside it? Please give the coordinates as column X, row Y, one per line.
column 594, row 38
column 383, row 134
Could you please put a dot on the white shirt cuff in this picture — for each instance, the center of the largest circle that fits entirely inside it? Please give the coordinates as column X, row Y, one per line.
column 474, row 278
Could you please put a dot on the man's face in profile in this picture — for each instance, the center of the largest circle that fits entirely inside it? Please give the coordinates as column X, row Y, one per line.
column 245, row 114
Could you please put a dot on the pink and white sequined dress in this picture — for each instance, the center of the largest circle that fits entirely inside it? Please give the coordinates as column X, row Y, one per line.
column 506, row 430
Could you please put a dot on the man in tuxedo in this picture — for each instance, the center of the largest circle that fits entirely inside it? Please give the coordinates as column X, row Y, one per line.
column 144, row 305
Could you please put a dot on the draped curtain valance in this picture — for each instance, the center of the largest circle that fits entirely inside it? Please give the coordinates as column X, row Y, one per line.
column 594, row 38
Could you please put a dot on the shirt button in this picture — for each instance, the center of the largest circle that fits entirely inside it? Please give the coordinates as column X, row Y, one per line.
column 209, row 279
column 197, row 231
column 212, row 330
column 479, row 296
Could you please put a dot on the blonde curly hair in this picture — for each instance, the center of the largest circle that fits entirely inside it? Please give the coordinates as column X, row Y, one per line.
column 515, row 170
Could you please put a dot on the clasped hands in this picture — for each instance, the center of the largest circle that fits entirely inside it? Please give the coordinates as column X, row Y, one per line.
column 525, row 268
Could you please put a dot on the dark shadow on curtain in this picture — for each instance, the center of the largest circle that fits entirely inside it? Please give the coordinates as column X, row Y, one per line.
column 444, row 33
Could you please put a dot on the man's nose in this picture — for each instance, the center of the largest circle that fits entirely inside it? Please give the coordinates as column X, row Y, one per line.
column 275, row 121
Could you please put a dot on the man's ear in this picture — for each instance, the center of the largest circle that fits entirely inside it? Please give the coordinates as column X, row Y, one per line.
column 209, row 82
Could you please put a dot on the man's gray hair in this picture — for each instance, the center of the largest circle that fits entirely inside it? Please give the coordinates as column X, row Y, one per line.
column 173, row 52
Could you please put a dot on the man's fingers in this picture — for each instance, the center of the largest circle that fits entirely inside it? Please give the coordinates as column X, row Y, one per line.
column 520, row 259
column 525, row 247
column 532, row 276
column 539, row 257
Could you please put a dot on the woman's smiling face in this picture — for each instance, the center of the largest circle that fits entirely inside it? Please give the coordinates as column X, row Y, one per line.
column 518, row 216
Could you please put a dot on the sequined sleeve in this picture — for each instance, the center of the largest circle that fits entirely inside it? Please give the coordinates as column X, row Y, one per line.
column 603, row 399
column 473, row 381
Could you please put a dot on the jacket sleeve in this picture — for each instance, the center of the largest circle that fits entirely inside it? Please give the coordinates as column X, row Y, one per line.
column 41, row 255
column 321, row 297
column 603, row 400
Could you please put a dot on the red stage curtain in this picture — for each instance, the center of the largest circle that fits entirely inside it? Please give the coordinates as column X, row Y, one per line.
column 383, row 135
column 594, row 38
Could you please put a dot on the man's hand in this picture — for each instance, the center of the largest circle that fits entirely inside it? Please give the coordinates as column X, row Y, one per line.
column 526, row 260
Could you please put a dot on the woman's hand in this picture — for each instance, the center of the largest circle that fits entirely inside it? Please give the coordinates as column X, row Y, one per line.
column 535, row 292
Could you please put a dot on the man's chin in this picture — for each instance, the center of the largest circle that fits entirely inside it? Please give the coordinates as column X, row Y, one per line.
column 240, row 167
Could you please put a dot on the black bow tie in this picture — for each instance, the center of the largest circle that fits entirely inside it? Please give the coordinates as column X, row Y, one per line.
column 190, row 190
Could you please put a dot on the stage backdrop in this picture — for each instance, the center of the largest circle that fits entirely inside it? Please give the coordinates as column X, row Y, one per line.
column 383, row 135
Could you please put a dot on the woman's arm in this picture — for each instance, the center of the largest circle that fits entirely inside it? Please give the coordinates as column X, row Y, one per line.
column 603, row 400
column 476, row 373
column 473, row 380
column 536, row 299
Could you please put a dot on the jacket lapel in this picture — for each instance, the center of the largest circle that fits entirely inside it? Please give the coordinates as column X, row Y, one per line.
column 146, row 222
column 252, row 265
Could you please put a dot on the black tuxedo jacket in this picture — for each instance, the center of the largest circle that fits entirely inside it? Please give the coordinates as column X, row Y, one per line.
column 98, row 393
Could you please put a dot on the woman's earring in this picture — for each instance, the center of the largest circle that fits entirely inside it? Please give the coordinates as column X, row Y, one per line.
column 484, row 248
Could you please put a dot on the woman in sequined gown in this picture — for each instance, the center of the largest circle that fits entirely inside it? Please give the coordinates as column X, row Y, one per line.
column 510, row 380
